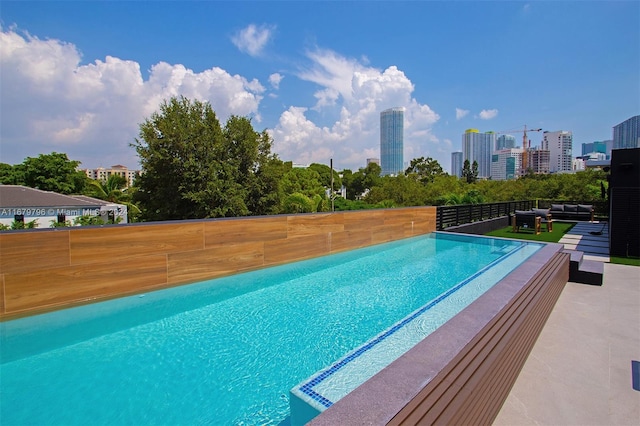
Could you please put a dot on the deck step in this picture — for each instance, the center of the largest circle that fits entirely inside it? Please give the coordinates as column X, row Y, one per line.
column 584, row 271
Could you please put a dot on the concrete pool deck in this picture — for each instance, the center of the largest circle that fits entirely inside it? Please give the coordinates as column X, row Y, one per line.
column 580, row 368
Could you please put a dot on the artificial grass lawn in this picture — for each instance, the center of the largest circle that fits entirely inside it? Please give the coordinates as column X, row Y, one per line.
column 559, row 229
column 633, row 261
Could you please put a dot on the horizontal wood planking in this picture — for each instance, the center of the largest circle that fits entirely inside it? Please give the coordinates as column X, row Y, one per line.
column 301, row 226
column 2, row 308
column 28, row 251
column 60, row 286
column 122, row 243
column 215, row 262
column 265, row 228
column 349, row 240
column 50, row 269
column 358, row 222
column 295, row 248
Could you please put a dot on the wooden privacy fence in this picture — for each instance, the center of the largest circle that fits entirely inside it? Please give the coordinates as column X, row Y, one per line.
column 466, row 213
column 43, row 270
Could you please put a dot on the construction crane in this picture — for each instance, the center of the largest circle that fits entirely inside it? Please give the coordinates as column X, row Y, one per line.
column 525, row 146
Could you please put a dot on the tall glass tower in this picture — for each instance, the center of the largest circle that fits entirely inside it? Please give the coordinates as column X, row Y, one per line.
column 627, row 134
column 392, row 141
column 478, row 146
column 505, row 142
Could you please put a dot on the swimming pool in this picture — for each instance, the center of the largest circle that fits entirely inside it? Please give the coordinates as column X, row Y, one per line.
column 225, row 351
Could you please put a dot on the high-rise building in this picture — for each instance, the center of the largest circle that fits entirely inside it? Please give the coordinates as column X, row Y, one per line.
column 538, row 160
column 505, row 163
column 456, row 164
column 627, row 134
column 478, row 146
column 392, row 141
column 505, row 142
column 596, row 146
column 560, row 147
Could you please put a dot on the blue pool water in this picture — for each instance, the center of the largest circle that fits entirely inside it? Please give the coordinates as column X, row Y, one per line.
column 225, row 351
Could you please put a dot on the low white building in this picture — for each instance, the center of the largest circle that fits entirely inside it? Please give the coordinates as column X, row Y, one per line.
column 24, row 204
column 103, row 174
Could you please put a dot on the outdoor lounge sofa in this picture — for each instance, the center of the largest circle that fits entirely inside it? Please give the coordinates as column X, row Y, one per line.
column 526, row 219
column 572, row 211
column 545, row 218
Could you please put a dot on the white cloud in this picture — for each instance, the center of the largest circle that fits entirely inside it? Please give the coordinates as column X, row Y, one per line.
column 461, row 113
column 488, row 114
column 275, row 80
column 92, row 112
column 356, row 94
column 253, row 39
column 51, row 103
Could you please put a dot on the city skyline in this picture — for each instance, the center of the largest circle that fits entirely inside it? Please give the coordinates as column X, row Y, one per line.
column 79, row 77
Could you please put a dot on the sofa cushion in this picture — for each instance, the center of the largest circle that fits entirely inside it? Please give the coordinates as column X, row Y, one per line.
column 573, row 208
column 557, row 207
column 541, row 212
column 524, row 212
column 585, row 208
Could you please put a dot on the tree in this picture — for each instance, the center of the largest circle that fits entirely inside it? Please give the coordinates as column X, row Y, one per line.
column 193, row 168
column 108, row 190
column 424, row 170
column 372, row 175
column 114, row 190
column 256, row 170
column 401, row 190
column 19, row 225
column 48, row 172
column 265, row 194
column 303, row 181
column 325, row 175
column 11, row 175
column 474, row 170
column 470, row 173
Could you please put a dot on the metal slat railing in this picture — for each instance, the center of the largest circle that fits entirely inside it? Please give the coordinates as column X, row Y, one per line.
column 467, row 213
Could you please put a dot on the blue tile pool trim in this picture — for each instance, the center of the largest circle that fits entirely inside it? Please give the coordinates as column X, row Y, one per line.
column 307, row 388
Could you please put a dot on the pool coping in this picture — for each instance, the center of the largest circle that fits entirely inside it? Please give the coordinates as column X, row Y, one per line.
column 311, row 398
column 395, row 392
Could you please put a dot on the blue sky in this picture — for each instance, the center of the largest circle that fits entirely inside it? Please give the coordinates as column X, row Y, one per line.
column 79, row 77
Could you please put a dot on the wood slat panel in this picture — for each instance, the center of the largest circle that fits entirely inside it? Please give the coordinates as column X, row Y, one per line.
column 349, row 240
column 63, row 286
column 214, row 262
column 291, row 249
column 2, row 309
column 313, row 224
column 363, row 221
column 98, row 261
column 386, row 233
column 122, row 243
column 245, row 230
column 24, row 251
column 399, row 216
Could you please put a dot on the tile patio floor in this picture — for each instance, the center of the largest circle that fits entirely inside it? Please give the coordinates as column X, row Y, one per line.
column 594, row 247
column 580, row 369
